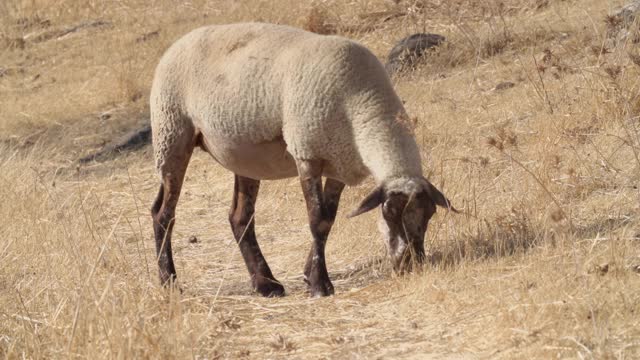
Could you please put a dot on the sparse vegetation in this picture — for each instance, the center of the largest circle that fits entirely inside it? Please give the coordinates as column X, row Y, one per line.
column 542, row 264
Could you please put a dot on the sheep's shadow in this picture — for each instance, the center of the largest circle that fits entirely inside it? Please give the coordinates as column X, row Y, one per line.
column 514, row 234
column 501, row 237
column 358, row 275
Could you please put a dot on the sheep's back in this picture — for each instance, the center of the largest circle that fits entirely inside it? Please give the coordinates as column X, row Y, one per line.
column 233, row 86
column 258, row 83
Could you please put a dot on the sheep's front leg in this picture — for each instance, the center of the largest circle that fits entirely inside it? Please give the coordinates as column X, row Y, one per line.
column 241, row 218
column 321, row 208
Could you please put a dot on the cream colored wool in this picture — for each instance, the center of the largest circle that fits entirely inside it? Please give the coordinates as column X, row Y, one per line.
column 263, row 95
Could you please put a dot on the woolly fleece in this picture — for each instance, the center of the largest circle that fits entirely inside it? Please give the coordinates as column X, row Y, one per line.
column 259, row 96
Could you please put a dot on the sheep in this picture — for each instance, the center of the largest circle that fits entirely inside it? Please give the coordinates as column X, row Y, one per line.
column 272, row 102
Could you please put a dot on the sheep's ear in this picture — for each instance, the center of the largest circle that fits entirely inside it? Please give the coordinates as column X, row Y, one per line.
column 439, row 198
column 372, row 201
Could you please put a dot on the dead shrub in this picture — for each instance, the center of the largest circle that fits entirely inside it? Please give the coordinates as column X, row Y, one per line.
column 496, row 44
column 317, row 21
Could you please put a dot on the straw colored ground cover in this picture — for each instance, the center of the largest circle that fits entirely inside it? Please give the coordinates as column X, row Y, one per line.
column 545, row 264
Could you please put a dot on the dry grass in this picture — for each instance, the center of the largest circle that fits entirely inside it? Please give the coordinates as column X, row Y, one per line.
column 545, row 263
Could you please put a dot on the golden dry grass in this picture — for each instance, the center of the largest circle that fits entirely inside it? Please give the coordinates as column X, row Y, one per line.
column 544, row 265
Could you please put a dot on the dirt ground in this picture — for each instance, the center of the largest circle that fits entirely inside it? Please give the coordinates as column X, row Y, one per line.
column 528, row 118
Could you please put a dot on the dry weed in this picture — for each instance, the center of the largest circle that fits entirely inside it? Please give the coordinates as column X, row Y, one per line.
column 317, row 21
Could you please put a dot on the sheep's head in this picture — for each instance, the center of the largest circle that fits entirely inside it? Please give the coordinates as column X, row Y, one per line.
column 407, row 205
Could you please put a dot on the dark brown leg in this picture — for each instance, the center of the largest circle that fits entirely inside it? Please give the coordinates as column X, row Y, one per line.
column 163, row 214
column 241, row 217
column 322, row 207
column 162, row 227
column 164, row 206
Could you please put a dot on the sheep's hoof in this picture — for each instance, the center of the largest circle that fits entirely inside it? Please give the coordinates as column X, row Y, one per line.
column 170, row 282
column 269, row 288
column 321, row 289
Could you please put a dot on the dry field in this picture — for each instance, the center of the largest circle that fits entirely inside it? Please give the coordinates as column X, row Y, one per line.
column 544, row 264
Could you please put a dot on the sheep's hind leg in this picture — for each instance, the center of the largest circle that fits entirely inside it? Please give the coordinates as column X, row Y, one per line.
column 173, row 169
column 242, row 221
column 322, row 207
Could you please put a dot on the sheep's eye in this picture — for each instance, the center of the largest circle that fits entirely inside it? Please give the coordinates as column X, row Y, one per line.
column 389, row 211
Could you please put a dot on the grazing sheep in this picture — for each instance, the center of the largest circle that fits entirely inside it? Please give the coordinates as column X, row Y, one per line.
column 272, row 102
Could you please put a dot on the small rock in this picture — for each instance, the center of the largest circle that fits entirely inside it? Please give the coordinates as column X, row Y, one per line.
column 619, row 22
column 504, row 85
column 193, row 239
column 148, row 36
column 408, row 50
column 601, row 269
column 133, row 140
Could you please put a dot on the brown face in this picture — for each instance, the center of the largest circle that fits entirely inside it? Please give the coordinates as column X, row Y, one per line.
column 406, row 210
column 403, row 225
